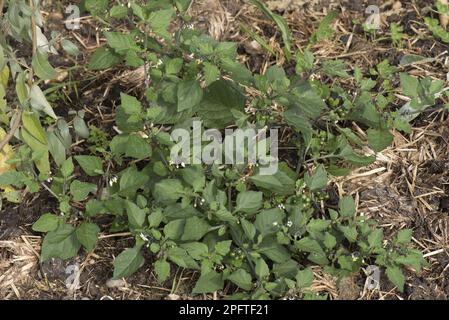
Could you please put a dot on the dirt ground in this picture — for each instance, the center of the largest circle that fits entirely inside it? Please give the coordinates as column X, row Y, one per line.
column 407, row 187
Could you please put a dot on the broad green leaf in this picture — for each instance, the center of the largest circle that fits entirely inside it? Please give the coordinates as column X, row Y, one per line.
column 211, row 73
column 219, row 99
column 103, row 58
column 70, row 47
column 136, row 215
column 318, row 180
column 242, row 279
column 60, row 243
column 269, row 221
column 396, row 276
column 379, row 139
column 261, row 269
column 209, row 282
column 249, row 201
column 91, row 165
column 87, row 234
column 168, row 191
column 46, row 223
column 375, row 238
column 404, row 236
column 162, row 269
column 194, row 229
column 304, row 278
column 347, row 207
column 39, row 102
column 42, row 68
column 189, row 94
column 80, row 190
column 127, row 262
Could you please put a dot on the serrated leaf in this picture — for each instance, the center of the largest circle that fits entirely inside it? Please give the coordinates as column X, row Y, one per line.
column 189, row 94
column 396, row 276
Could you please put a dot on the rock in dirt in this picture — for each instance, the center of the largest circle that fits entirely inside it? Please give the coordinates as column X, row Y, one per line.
column 111, row 283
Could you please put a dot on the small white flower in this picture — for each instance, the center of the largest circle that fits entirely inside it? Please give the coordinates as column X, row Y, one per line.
column 112, row 181
column 275, row 223
column 49, row 179
column 289, row 223
column 129, row 4
column 159, row 62
column 143, row 237
column 203, row 200
column 183, row 164
column 281, row 206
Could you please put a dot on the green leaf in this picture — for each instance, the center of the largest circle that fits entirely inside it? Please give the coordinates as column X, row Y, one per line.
column 80, row 190
column 335, row 68
column 120, row 42
column 404, row 236
column 103, row 58
column 174, row 229
column 347, row 207
column 47, row 222
column 60, row 243
column 409, row 85
column 249, row 201
column 160, row 20
column 118, row 11
column 131, row 180
column 396, row 276
column 329, row 241
column 223, row 247
column 31, row 123
column 91, row 165
column 378, row 140
column 279, row 183
column 209, row 282
column 304, row 61
column 318, row 225
column 318, row 180
column 137, row 147
column 39, row 102
column 162, row 269
column 211, row 73
column 42, row 68
column 136, row 216
column 168, row 191
column 219, row 99
column 70, row 47
column 375, row 238
column 194, row 229
column 197, row 250
column 242, row 279
column 261, row 269
column 87, row 234
column 304, row 278
column 269, row 221
column 189, row 94
column 127, row 262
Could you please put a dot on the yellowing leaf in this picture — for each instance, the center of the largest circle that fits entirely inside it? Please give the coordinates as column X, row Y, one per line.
column 4, row 76
column 5, row 155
